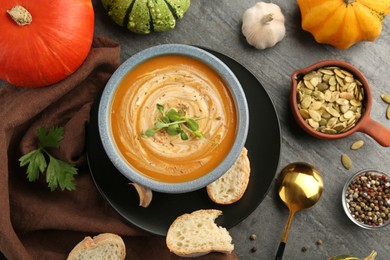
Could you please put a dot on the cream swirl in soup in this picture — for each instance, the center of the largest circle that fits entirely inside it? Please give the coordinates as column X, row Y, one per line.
column 191, row 88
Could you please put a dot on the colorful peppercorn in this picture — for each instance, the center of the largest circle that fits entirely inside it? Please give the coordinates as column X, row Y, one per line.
column 368, row 198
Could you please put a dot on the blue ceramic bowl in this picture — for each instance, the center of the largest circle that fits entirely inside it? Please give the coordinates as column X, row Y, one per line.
column 105, row 126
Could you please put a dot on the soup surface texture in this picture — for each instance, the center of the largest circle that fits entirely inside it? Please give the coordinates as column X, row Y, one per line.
column 191, row 88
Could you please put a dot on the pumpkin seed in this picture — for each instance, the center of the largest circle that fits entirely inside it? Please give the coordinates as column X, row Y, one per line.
column 299, row 96
column 306, row 101
column 308, row 84
column 342, row 118
column 351, row 120
column 304, row 113
column 347, row 128
column 340, row 80
column 328, row 95
column 346, row 161
column 361, row 96
column 323, row 122
column 332, row 81
column 326, row 71
column 335, row 96
column 322, row 86
column 388, row 112
column 332, row 122
column 314, row 81
column 300, row 85
column 346, row 95
column 315, row 115
column 333, row 111
column 329, row 131
column 325, row 115
column 344, row 109
column 348, row 79
column 339, row 73
column 307, row 91
column 316, row 105
column 355, row 103
column 348, row 114
column 351, row 88
column 357, row 145
column 318, row 95
column 313, row 123
column 330, row 99
column 311, row 75
column 347, row 73
column 342, row 101
column 386, row 98
column 339, row 126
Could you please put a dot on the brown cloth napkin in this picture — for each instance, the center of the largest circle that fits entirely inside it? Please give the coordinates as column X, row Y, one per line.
column 36, row 223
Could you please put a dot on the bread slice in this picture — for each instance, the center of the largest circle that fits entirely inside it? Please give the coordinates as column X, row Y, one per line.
column 231, row 186
column 103, row 246
column 196, row 234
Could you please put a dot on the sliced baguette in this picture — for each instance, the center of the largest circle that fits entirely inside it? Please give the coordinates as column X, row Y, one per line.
column 196, row 234
column 103, row 246
column 231, row 186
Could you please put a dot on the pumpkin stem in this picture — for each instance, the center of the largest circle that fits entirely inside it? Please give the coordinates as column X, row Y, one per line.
column 371, row 256
column 267, row 18
column 20, row 15
column 349, row 1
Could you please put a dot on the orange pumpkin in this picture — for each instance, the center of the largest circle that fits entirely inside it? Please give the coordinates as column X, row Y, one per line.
column 342, row 23
column 43, row 41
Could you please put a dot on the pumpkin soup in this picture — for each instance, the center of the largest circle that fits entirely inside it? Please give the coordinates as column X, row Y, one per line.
column 189, row 87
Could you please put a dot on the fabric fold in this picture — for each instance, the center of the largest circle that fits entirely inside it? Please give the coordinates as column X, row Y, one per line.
column 35, row 222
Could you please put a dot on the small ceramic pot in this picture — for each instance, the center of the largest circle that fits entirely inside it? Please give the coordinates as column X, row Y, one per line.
column 365, row 124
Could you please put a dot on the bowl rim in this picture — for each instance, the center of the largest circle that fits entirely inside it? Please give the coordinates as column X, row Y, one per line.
column 344, row 65
column 344, row 202
column 214, row 63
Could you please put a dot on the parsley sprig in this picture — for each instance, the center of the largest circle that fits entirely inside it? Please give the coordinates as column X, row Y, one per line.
column 175, row 123
column 58, row 173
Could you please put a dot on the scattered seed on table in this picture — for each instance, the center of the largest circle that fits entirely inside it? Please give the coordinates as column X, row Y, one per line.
column 304, row 249
column 357, row 145
column 319, row 242
column 388, row 112
column 253, row 249
column 346, row 161
column 253, row 237
column 386, row 98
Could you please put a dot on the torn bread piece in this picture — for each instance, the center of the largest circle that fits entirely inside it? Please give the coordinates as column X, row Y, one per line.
column 103, row 246
column 231, row 186
column 196, row 234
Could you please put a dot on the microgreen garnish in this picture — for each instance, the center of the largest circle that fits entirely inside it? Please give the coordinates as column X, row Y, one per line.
column 174, row 123
column 58, row 173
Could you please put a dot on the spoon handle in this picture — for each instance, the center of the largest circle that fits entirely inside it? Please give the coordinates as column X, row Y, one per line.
column 282, row 245
column 279, row 253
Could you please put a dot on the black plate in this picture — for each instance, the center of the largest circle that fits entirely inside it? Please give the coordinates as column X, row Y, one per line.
column 263, row 146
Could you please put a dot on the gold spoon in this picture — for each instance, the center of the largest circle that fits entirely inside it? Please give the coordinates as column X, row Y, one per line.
column 300, row 187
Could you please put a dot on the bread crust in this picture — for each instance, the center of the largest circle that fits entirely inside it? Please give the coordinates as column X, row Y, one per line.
column 208, row 217
column 224, row 190
column 89, row 243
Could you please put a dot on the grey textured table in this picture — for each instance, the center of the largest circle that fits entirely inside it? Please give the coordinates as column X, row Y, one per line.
column 217, row 25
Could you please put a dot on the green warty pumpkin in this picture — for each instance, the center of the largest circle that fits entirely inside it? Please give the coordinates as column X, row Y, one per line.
column 145, row 16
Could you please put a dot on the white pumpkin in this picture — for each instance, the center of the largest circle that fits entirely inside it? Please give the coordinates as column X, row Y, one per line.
column 263, row 25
